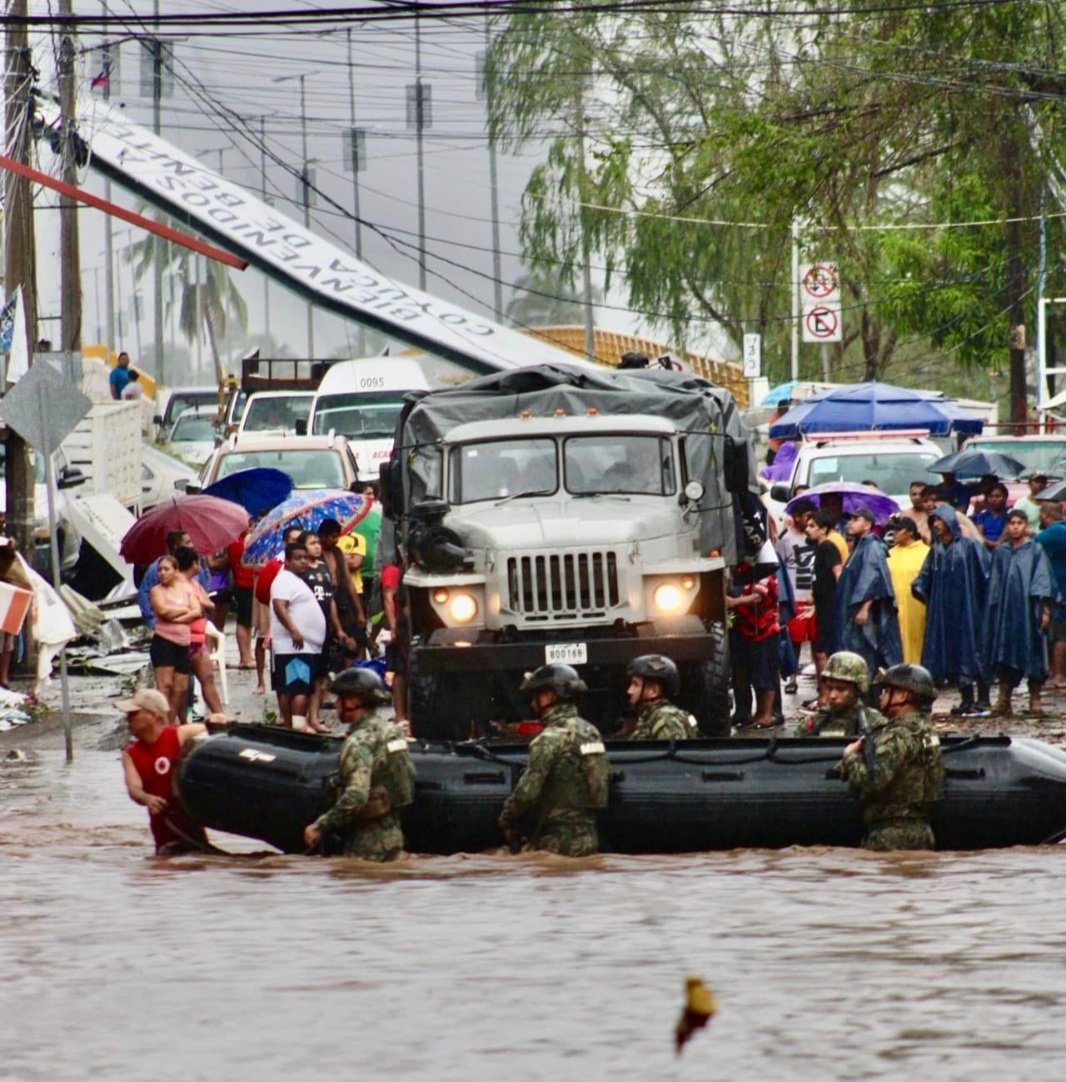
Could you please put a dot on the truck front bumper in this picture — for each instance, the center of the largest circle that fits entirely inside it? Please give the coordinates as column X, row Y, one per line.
column 687, row 642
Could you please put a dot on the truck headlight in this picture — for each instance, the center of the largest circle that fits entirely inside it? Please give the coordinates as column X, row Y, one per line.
column 669, row 598
column 462, row 608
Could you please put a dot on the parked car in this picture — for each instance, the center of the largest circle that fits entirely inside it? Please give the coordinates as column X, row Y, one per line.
column 180, row 399
column 891, row 460
column 311, row 461
column 192, row 437
column 162, row 476
column 1039, row 454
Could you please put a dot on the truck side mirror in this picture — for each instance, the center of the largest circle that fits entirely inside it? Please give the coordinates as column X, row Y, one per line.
column 693, row 492
column 736, row 465
column 779, row 493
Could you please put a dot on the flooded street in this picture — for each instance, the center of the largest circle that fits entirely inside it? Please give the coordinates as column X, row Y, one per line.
column 825, row 963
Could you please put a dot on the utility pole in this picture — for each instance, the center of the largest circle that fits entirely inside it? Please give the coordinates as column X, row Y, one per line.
column 357, row 163
column 419, row 124
column 19, row 254
column 307, row 211
column 69, row 248
column 109, row 245
column 263, row 178
column 158, row 244
column 586, row 254
column 305, row 190
column 494, row 190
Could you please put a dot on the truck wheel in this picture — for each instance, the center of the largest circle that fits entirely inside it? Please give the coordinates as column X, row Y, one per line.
column 705, row 687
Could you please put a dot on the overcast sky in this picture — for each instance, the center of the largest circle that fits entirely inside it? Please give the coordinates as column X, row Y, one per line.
column 253, row 75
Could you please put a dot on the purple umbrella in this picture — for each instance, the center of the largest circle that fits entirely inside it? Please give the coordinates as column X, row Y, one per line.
column 882, row 507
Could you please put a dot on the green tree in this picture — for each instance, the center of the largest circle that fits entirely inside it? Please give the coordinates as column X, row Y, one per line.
column 848, row 124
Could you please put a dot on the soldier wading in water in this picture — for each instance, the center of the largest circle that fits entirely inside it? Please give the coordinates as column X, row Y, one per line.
column 567, row 775
column 895, row 770
column 377, row 777
column 653, row 682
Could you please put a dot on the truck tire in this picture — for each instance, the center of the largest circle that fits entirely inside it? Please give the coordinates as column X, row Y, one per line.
column 705, row 686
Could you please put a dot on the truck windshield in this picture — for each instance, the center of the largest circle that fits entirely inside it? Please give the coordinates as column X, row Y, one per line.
column 498, row 468
column 365, row 416
column 603, row 464
column 891, row 473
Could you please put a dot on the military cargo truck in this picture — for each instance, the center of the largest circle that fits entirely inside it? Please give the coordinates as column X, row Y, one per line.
column 572, row 515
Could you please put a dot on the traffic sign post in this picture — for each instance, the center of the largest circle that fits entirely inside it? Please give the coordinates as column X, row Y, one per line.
column 820, row 289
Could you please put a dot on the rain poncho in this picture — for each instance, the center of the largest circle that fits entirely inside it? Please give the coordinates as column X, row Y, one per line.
column 1020, row 584
column 953, row 583
column 865, row 578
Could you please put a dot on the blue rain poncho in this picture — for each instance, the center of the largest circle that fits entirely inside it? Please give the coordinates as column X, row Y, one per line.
column 1020, row 584
column 865, row 578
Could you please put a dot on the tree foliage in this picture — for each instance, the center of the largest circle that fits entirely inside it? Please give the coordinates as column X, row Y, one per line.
column 854, row 125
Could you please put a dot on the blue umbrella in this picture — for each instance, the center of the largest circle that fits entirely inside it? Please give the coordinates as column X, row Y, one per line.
column 873, row 406
column 257, row 489
column 781, row 393
column 307, row 510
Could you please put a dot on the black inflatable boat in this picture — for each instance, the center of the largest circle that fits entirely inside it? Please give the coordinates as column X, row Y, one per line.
column 268, row 783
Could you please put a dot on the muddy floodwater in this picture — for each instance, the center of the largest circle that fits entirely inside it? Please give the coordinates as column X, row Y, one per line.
column 826, row 964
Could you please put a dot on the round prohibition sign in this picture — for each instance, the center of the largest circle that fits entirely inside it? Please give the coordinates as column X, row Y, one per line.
column 821, row 322
column 820, row 281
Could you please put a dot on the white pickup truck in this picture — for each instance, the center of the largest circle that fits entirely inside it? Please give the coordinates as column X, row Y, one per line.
column 891, row 460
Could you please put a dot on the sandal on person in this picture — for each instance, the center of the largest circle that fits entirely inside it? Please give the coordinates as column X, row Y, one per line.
column 791, row 687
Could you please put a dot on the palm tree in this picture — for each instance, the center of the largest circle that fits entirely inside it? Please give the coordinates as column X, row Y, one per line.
column 204, row 307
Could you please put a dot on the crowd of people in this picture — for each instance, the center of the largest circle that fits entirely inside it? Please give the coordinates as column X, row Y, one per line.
column 977, row 601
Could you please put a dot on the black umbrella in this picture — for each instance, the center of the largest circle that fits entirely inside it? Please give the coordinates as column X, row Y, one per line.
column 978, row 464
column 1056, row 493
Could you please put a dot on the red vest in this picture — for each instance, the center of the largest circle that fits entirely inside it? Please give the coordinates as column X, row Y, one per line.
column 155, row 764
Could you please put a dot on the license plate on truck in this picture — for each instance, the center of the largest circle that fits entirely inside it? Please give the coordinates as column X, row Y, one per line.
column 566, row 653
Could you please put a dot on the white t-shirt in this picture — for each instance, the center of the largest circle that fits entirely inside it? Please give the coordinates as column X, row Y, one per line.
column 304, row 611
column 797, row 555
column 132, row 390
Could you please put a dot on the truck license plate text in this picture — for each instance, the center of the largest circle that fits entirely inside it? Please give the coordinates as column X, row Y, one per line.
column 566, row 653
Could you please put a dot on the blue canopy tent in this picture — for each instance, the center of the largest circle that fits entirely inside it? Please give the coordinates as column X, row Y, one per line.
column 877, row 407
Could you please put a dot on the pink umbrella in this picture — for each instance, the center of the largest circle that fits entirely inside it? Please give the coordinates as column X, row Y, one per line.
column 211, row 524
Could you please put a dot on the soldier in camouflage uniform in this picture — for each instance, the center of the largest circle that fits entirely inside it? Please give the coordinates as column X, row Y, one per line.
column 566, row 778
column 653, row 682
column 899, row 778
column 845, row 680
column 376, row 773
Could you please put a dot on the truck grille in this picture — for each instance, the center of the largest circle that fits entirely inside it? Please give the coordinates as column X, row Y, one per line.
column 562, row 587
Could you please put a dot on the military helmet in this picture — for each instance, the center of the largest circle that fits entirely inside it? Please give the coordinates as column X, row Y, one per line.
column 912, row 678
column 656, row 667
column 849, row 667
column 365, row 683
column 562, row 679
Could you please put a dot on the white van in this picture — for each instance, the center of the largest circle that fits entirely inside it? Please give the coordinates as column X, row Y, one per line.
column 361, row 399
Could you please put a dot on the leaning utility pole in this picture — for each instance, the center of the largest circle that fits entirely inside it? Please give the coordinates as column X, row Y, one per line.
column 19, row 254
column 69, row 251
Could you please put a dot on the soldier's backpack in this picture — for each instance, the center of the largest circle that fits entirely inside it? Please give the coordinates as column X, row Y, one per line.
column 932, row 767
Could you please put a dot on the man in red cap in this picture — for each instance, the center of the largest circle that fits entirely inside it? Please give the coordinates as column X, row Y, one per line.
column 148, row 763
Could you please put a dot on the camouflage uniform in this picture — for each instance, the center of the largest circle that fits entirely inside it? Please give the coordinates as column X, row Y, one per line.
column 366, row 813
column 661, row 720
column 554, row 788
column 907, row 780
column 845, row 723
